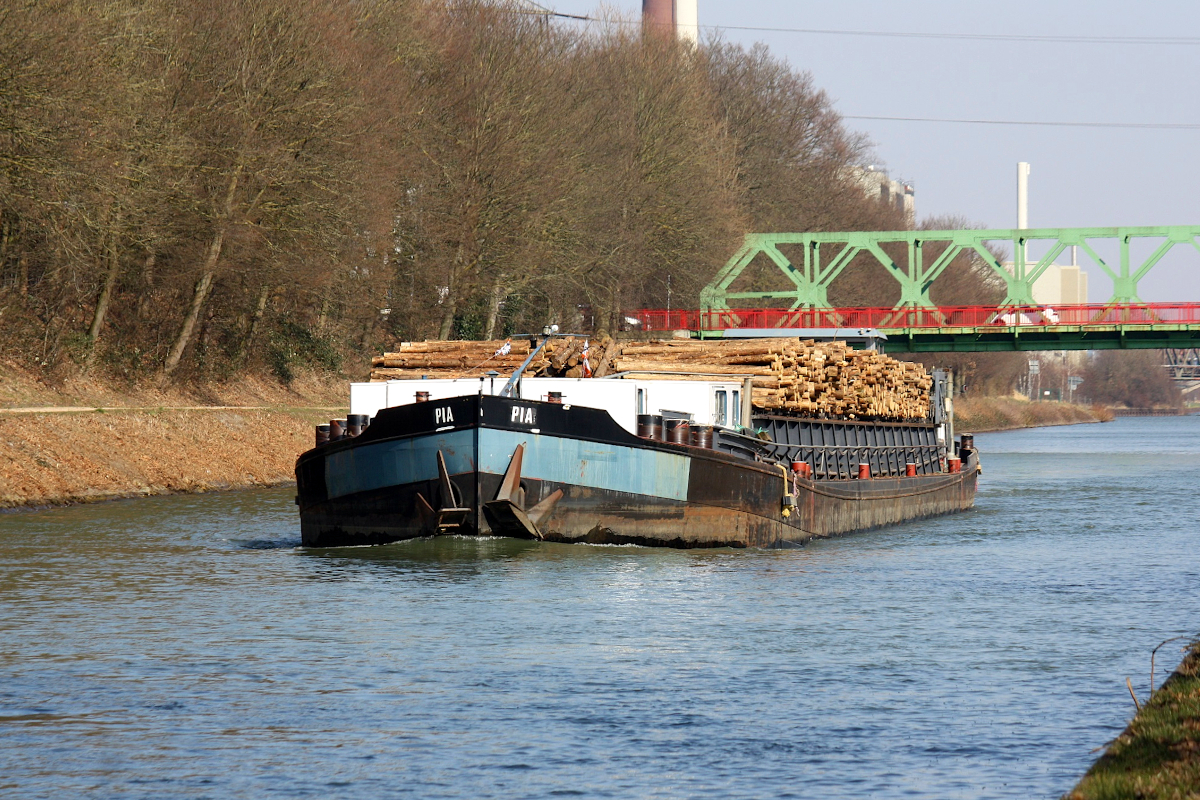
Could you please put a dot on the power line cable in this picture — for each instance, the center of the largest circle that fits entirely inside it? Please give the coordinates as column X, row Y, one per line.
column 1181, row 126
column 1191, row 41
column 1187, row 41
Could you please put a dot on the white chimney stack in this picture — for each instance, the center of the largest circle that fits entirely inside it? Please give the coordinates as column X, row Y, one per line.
column 687, row 21
column 1022, row 195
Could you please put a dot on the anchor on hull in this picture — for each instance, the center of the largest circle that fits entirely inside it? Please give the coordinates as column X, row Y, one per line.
column 506, row 514
column 450, row 517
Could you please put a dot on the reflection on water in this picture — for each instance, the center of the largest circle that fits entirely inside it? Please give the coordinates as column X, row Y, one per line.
column 187, row 647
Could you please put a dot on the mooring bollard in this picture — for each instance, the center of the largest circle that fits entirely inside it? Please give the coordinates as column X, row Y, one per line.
column 864, row 471
column 678, row 431
column 702, row 436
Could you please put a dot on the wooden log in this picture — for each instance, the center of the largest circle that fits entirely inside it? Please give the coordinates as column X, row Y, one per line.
column 646, row 365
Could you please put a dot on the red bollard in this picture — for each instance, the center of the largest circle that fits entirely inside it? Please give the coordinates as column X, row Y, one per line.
column 910, row 470
column 864, row 472
column 955, row 465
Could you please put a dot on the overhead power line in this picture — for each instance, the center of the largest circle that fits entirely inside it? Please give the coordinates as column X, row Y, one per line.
column 1186, row 41
column 979, row 37
column 1180, row 126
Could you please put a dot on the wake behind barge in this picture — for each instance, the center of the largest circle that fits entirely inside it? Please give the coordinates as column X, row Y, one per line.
column 481, row 464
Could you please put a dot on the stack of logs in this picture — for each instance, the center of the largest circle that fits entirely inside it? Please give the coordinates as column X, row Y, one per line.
column 560, row 358
column 806, row 378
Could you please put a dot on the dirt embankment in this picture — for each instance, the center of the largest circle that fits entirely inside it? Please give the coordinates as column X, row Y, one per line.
column 148, row 441
column 981, row 414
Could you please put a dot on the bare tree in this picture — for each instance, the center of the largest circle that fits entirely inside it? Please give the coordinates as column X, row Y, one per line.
column 267, row 116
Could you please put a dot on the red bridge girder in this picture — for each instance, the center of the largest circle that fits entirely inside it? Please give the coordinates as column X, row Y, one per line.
column 943, row 317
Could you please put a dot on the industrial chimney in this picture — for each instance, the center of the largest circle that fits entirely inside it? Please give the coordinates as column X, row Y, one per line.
column 679, row 16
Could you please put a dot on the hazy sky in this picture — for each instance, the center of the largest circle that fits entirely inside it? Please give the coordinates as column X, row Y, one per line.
column 1080, row 177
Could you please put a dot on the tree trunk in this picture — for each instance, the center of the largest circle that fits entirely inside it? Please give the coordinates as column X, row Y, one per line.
column 447, row 321
column 259, row 309
column 6, row 236
column 450, row 301
column 494, row 301
column 22, row 261
column 323, row 316
column 110, row 280
column 198, row 297
column 148, row 280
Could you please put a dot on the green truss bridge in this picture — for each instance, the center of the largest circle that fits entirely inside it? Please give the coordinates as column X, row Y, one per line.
column 810, row 262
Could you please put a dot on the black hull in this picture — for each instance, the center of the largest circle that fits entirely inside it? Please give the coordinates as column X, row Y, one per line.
column 580, row 480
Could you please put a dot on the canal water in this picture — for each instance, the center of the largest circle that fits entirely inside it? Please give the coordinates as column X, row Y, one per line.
column 186, row 647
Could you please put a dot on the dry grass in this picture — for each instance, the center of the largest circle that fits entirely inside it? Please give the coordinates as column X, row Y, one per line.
column 981, row 414
column 22, row 388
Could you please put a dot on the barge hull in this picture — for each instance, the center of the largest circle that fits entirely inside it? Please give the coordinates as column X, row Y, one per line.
column 381, row 487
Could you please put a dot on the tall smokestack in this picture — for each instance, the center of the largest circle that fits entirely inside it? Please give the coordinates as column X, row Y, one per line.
column 659, row 14
column 687, row 21
column 1022, row 195
column 672, row 16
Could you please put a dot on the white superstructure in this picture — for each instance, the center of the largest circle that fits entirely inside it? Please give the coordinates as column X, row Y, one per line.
column 705, row 402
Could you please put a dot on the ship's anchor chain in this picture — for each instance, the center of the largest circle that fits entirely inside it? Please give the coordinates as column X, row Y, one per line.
column 450, row 516
column 507, row 515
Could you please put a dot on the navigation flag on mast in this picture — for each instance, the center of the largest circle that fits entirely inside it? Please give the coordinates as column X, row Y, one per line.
column 505, row 349
column 587, row 368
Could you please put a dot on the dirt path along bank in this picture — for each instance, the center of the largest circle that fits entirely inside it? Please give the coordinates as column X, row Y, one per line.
column 57, row 458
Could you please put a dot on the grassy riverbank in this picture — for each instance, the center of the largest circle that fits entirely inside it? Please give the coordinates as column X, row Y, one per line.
column 82, row 442
column 1158, row 755
column 983, row 414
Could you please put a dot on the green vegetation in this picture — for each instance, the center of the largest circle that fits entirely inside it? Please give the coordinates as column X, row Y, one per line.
column 1158, row 755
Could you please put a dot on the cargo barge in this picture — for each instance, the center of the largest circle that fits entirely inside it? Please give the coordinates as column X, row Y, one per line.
column 618, row 461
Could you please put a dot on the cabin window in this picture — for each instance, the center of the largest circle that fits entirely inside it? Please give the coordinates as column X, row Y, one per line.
column 736, row 410
column 641, row 402
column 722, row 411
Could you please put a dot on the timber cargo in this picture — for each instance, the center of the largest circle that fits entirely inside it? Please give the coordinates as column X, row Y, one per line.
column 680, row 458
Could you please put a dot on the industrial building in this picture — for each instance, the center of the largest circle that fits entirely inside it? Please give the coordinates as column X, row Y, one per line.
column 876, row 183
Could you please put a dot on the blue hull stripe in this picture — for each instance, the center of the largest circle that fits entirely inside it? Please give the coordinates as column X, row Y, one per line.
column 592, row 464
column 547, row 458
column 395, row 463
